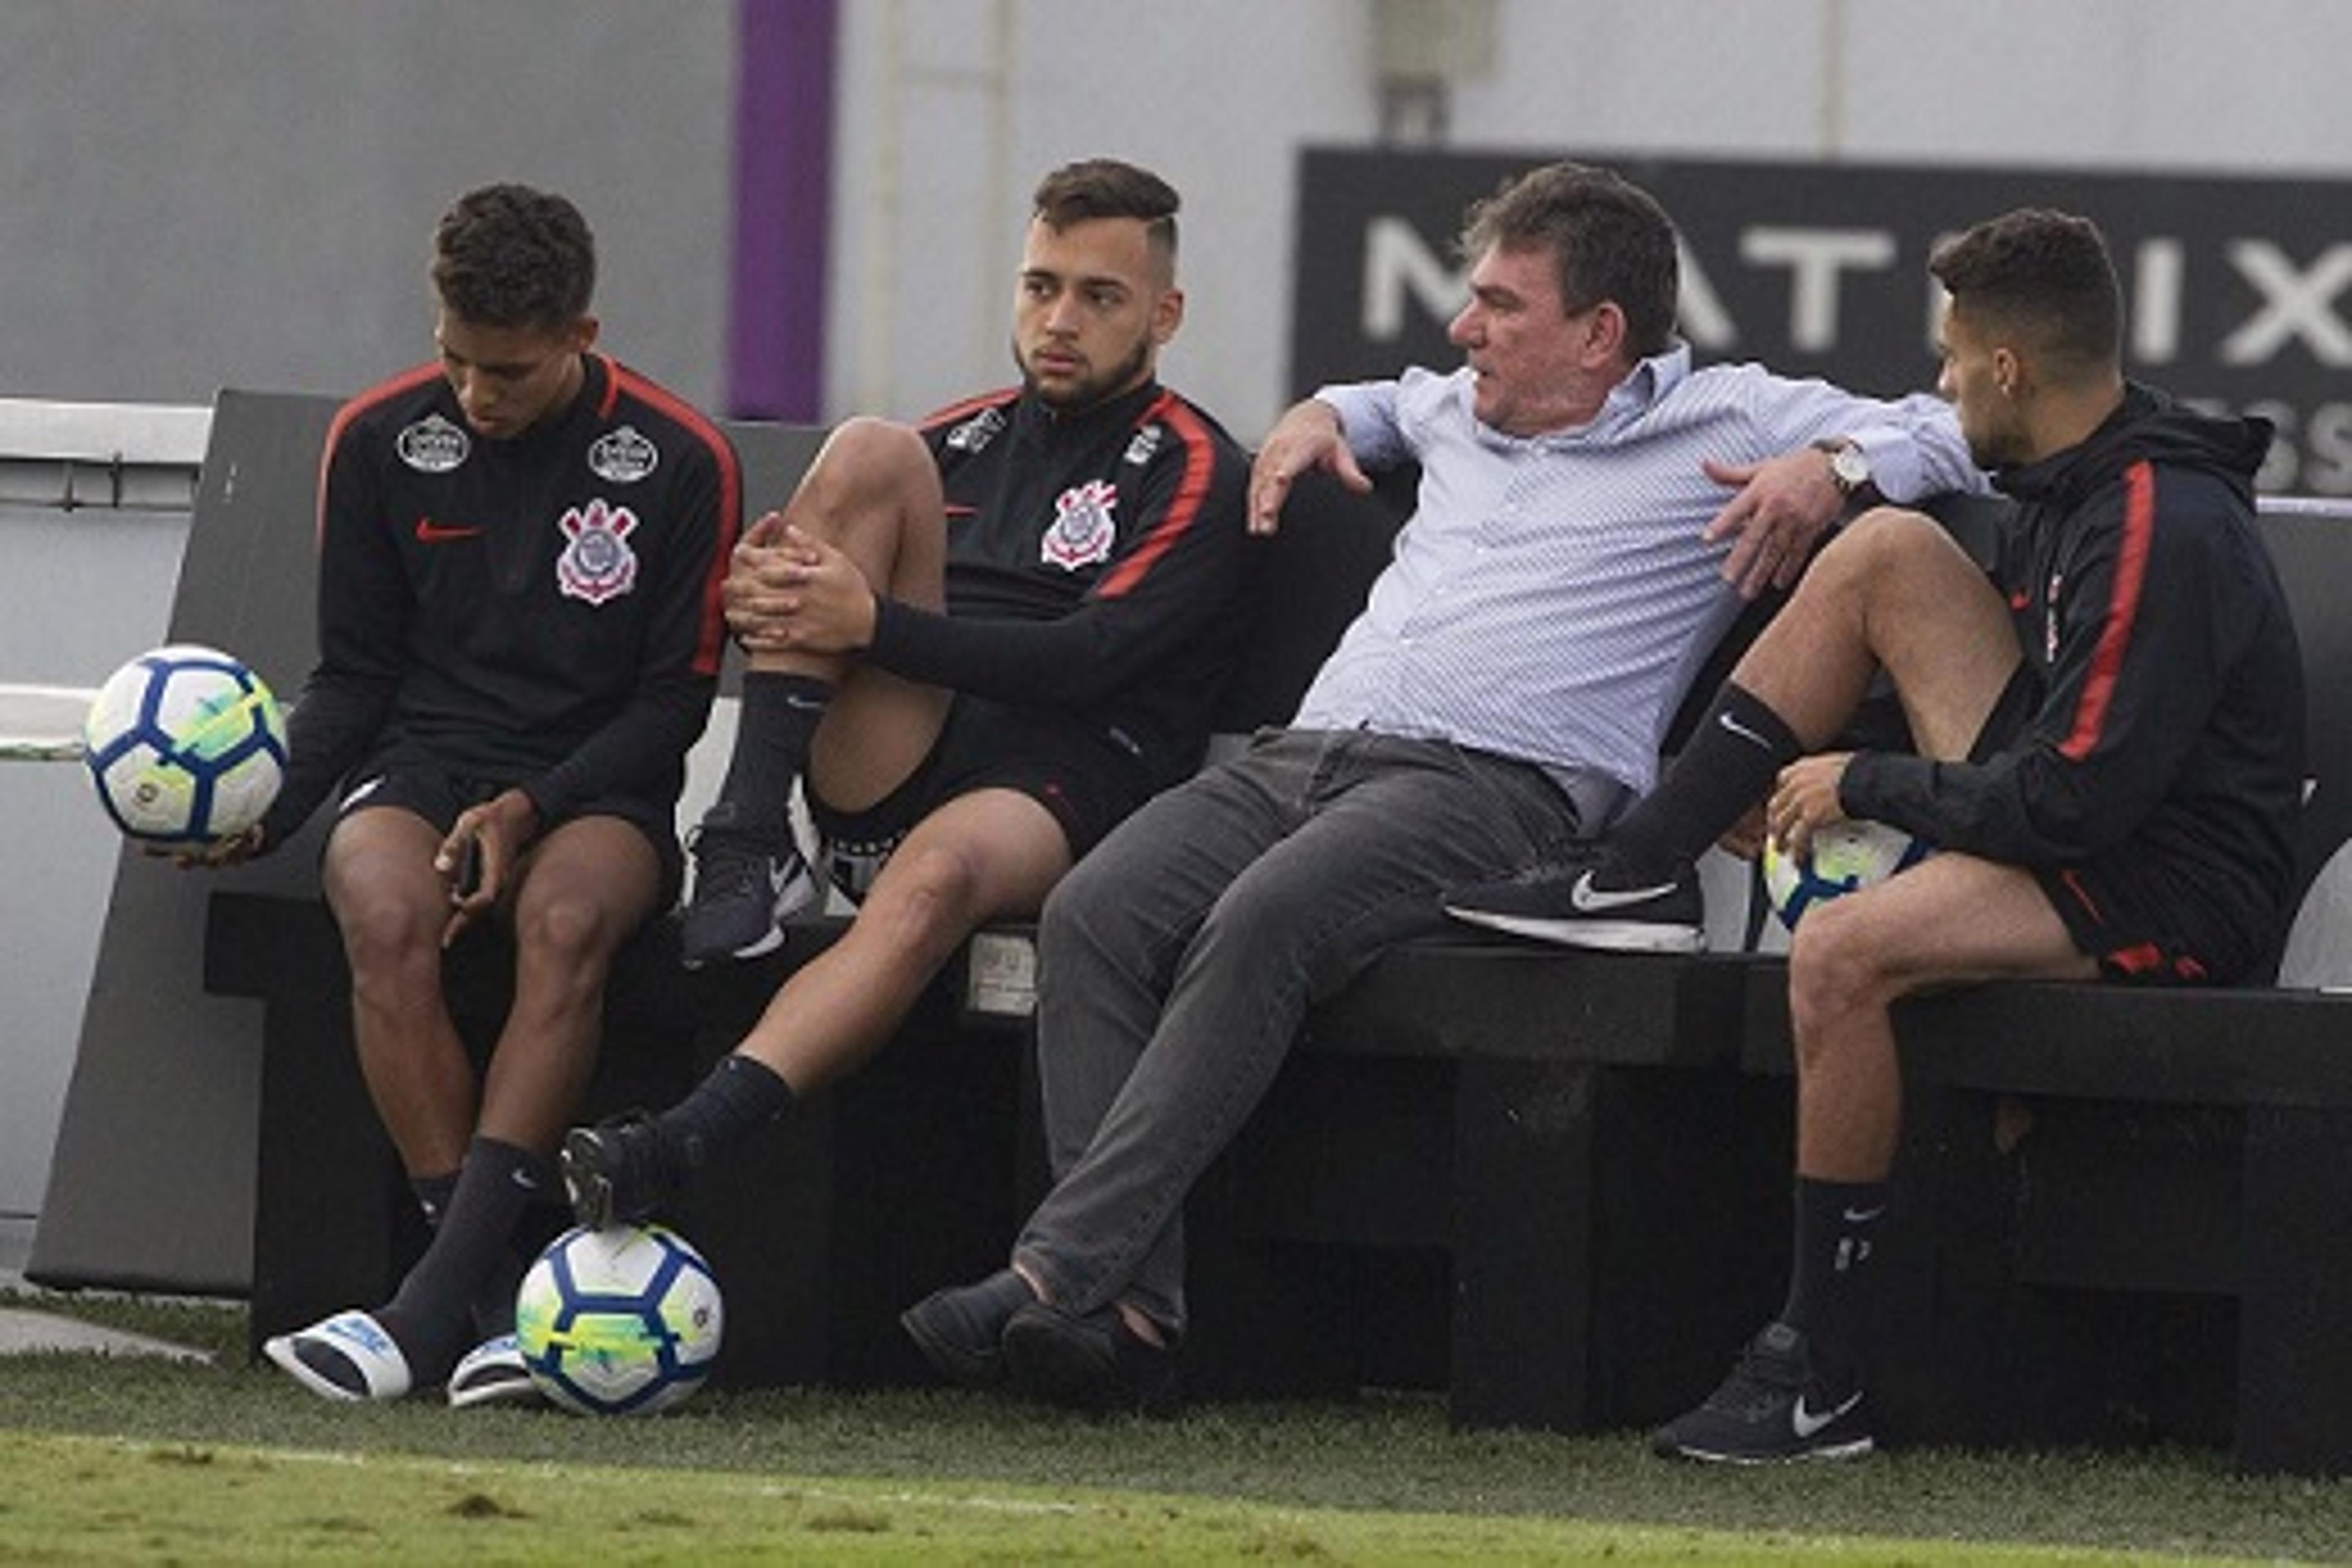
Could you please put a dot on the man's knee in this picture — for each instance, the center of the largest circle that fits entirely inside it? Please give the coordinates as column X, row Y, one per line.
column 570, row 930
column 1878, row 545
column 865, row 462
column 1837, row 963
column 930, row 892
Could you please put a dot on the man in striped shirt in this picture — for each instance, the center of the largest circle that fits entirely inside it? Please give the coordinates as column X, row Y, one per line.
column 980, row 644
column 1591, row 509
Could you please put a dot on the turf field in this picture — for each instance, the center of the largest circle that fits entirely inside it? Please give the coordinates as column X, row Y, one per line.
column 114, row 1459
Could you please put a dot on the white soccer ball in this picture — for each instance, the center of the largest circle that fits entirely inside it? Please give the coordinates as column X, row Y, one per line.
column 185, row 744
column 621, row 1322
column 1840, row 858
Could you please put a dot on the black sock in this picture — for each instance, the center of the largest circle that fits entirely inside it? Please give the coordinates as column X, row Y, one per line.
column 1837, row 1224
column 1729, row 766
column 773, row 730
column 740, row 1094
column 430, row 1317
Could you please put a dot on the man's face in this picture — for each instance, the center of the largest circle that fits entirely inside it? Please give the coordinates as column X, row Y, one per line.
column 1534, row 358
column 1971, row 378
column 508, row 378
column 1091, row 311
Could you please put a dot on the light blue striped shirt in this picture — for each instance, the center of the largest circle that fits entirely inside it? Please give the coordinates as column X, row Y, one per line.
column 1551, row 598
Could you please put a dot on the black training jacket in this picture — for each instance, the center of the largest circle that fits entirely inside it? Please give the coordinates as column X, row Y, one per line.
column 542, row 611
column 2173, row 714
column 1095, row 567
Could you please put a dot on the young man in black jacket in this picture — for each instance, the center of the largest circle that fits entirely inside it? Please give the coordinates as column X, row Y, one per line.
column 979, row 644
column 521, row 550
column 2110, row 758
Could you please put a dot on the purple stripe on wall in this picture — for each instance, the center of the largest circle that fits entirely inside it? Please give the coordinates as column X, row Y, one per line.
column 783, row 207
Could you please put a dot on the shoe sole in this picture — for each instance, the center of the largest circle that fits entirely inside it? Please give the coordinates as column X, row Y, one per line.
column 503, row 1390
column 585, row 1188
column 1062, row 1370
column 280, row 1349
column 1852, row 1449
column 1599, row 936
column 767, row 943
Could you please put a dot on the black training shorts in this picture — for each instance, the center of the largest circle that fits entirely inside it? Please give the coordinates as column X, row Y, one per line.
column 2141, row 915
column 1080, row 773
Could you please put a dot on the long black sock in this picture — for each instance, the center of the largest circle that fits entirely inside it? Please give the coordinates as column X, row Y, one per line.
column 1729, row 766
column 1837, row 1225
column 740, row 1094
column 430, row 1317
column 493, row 1309
column 773, row 732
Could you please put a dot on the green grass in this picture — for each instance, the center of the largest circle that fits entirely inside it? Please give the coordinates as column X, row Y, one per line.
column 882, row 1474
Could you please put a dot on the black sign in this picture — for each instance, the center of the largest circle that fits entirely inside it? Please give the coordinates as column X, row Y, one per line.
column 2236, row 291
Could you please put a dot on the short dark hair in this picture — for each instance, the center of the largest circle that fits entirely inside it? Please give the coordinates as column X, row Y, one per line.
column 1610, row 238
column 508, row 256
column 1105, row 188
column 2043, row 273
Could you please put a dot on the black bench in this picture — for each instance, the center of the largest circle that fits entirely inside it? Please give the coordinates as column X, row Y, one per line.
column 1553, row 1183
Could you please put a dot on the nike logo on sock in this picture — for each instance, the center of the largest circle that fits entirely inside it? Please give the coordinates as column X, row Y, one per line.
column 1864, row 1216
column 1743, row 732
column 1805, row 1423
column 1591, row 900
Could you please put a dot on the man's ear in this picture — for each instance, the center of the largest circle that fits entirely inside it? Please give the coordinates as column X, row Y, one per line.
column 1604, row 333
column 1167, row 315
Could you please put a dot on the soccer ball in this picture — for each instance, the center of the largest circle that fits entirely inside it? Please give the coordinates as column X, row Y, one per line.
column 1841, row 858
column 623, row 1321
column 185, row 744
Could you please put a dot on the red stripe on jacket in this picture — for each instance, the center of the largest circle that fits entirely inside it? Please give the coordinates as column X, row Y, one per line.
column 967, row 408
column 1192, row 490
column 2122, row 610
column 382, row 391
column 710, row 646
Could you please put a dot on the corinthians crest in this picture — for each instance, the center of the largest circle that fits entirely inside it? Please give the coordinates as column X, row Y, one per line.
column 1083, row 530
column 597, row 564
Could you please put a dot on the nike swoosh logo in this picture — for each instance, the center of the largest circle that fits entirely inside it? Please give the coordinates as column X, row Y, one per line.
column 955, row 510
column 1805, row 1423
column 1591, row 900
column 1742, row 730
column 1864, row 1216
column 431, row 532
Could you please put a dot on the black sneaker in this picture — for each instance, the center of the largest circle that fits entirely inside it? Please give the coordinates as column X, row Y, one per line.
column 615, row 1173
column 1089, row 1360
column 1780, row 1403
column 747, row 884
column 1584, row 903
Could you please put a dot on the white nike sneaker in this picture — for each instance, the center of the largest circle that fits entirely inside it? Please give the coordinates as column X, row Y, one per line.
column 1777, row 1404
column 1580, row 903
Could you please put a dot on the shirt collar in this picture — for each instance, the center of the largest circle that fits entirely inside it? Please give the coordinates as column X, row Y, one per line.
column 1641, row 390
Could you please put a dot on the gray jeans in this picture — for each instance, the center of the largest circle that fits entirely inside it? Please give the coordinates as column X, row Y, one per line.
column 1176, row 962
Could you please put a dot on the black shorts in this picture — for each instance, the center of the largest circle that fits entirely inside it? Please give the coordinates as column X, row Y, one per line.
column 439, row 795
column 2136, row 913
column 1085, row 777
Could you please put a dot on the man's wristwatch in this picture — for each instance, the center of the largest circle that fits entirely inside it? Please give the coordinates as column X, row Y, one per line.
column 1849, row 470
